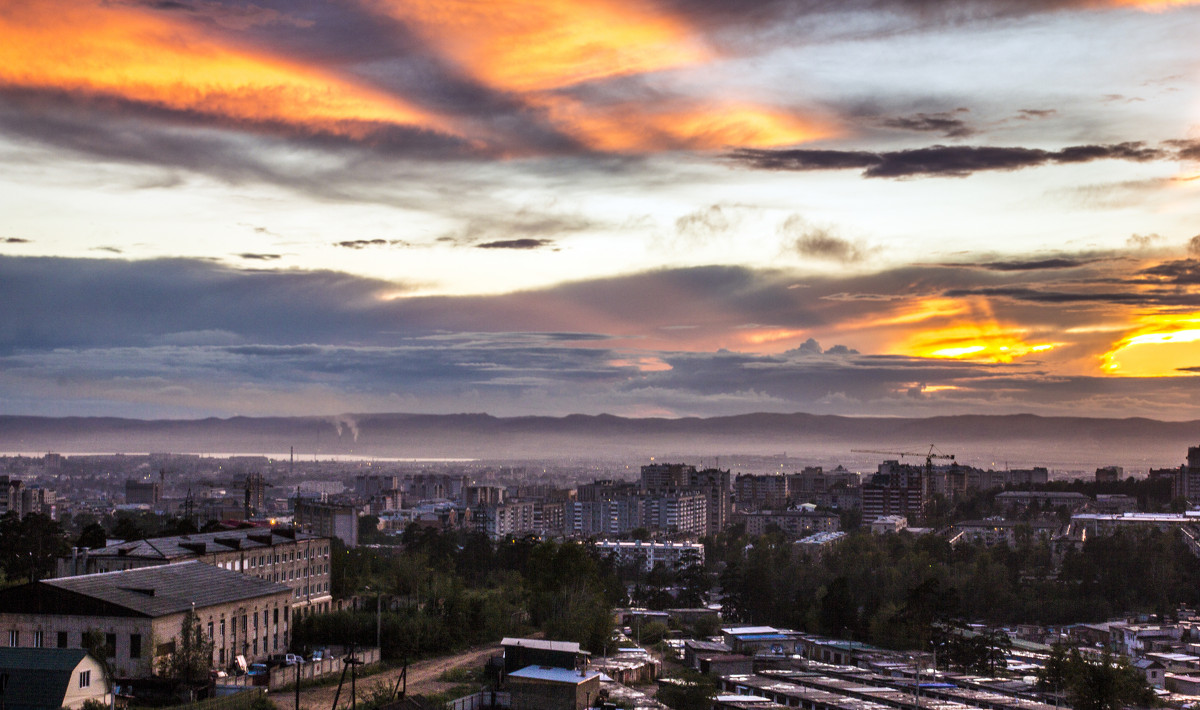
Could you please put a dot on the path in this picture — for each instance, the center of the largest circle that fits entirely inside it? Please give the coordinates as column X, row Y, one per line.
column 422, row 679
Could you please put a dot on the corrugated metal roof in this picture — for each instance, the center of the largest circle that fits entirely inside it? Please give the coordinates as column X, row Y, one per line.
column 169, row 589
column 563, row 646
column 556, row 675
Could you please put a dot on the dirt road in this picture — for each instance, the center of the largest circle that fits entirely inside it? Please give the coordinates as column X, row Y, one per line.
column 422, row 679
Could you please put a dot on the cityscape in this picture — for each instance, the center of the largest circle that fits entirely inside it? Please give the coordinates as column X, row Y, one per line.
column 923, row 582
column 599, row 354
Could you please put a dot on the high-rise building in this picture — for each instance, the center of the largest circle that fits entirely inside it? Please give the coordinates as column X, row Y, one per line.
column 761, row 491
column 663, row 476
column 896, row 489
column 143, row 493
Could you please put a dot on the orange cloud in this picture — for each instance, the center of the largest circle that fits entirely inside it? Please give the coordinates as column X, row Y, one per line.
column 684, row 125
column 94, row 48
column 533, row 45
column 988, row 342
column 1162, row 347
column 1155, row 5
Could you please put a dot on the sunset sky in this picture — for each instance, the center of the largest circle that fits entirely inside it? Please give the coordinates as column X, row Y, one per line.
column 640, row 207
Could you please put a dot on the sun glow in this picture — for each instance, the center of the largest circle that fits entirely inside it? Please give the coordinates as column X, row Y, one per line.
column 1166, row 346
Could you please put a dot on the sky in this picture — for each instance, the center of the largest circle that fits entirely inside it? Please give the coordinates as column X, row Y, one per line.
column 637, row 207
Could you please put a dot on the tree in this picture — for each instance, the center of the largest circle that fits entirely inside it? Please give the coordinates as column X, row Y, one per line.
column 192, row 658
column 29, row 546
column 95, row 643
column 93, row 536
column 690, row 691
column 1105, row 683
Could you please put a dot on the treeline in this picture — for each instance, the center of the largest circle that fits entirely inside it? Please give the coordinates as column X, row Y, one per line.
column 441, row 592
column 889, row 589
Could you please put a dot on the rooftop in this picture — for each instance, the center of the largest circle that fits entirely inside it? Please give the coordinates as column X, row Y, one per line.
column 168, row 589
column 186, row 546
column 562, row 646
column 554, row 675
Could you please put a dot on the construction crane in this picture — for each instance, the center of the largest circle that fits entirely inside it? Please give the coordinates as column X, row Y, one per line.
column 929, row 455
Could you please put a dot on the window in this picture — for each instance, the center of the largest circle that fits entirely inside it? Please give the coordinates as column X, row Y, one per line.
column 37, row 639
column 110, row 645
column 14, row 638
column 210, row 631
column 135, row 643
column 85, row 679
column 276, row 616
column 62, row 639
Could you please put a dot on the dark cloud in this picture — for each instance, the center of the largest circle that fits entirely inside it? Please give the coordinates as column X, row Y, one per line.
column 941, row 160
column 1031, row 265
column 820, row 242
column 1194, row 245
column 1027, row 114
column 361, row 243
column 524, row 225
column 176, row 336
column 516, row 244
column 946, row 123
column 14, row 240
column 1181, row 272
column 250, row 256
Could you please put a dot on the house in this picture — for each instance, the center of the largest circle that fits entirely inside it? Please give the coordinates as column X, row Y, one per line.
column 50, row 678
column 522, row 653
column 748, row 639
column 1152, row 669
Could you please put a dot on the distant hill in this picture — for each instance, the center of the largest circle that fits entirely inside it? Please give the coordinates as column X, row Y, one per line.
column 984, row 440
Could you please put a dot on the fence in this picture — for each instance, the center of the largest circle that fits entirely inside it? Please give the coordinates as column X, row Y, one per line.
column 285, row 676
column 235, row 701
column 481, row 701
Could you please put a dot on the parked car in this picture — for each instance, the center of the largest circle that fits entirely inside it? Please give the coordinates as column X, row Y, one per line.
column 259, row 673
column 285, row 659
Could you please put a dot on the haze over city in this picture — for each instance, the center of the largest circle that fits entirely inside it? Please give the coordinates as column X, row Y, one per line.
column 668, row 209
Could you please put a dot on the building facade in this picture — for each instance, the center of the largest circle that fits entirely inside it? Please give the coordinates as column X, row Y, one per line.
column 141, row 614
column 283, row 555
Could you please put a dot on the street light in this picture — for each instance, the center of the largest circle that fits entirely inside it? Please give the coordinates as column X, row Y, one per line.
column 378, row 619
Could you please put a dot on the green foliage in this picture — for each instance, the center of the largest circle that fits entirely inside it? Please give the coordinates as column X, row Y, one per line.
column 459, row 675
column 262, row 702
column 30, row 545
column 192, row 658
column 92, row 536
column 1100, row 683
column 93, row 704
column 890, row 590
column 652, row 632
column 446, row 591
column 94, row 643
column 689, row 691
